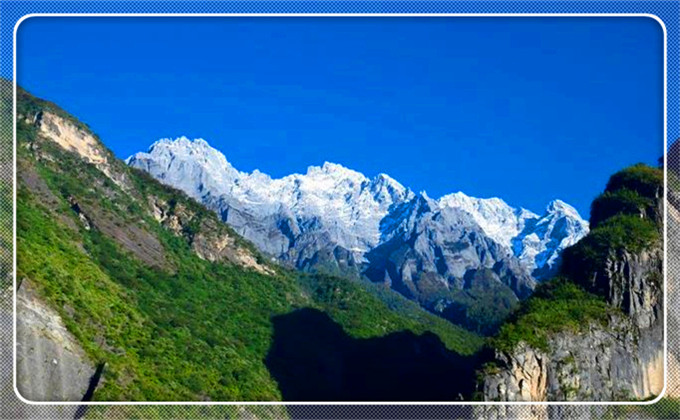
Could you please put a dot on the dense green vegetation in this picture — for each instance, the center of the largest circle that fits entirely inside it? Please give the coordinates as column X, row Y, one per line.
column 183, row 328
column 633, row 191
column 643, row 179
column 364, row 315
column 483, row 306
column 627, row 220
column 555, row 306
column 621, row 201
column 189, row 334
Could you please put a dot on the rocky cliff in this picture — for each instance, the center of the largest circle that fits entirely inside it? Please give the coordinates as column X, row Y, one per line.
column 613, row 363
column 613, row 350
column 51, row 365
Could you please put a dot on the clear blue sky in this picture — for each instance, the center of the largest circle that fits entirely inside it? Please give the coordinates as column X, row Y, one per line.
column 526, row 109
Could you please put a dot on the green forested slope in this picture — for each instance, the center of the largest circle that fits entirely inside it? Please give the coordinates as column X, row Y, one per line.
column 134, row 291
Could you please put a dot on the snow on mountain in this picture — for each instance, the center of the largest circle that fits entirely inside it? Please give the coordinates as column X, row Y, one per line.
column 497, row 219
column 345, row 202
column 330, row 206
column 541, row 242
column 191, row 166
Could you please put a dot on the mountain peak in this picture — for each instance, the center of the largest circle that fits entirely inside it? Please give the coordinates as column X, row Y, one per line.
column 384, row 185
column 460, row 199
column 184, row 143
column 559, row 206
column 190, row 165
column 334, row 171
column 386, row 179
column 330, row 167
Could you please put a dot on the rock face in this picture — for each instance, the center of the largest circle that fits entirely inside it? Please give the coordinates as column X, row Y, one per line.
column 339, row 220
column 70, row 137
column 633, row 282
column 616, row 363
column 622, row 358
column 51, row 365
column 428, row 248
column 12, row 406
column 73, row 136
column 208, row 239
column 620, row 361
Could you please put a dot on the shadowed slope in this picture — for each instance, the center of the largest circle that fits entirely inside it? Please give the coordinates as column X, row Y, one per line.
column 313, row 359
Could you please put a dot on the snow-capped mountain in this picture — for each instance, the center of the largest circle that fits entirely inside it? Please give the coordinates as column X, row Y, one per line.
column 542, row 240
column 338, row 218
column 497, row 219
column 274, row 213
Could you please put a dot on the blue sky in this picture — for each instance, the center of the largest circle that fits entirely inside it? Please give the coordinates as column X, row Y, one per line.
column 526, row 109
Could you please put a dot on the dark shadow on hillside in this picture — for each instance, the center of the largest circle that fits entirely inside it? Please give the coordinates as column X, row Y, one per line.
column 313, row 359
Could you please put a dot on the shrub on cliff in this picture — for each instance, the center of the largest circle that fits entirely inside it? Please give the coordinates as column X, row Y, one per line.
column 555, row 306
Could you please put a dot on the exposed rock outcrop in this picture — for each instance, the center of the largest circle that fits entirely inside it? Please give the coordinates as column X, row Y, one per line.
column 70, row 136
column 633, row 282
column 622, row 357
column 51, row 365
column 210, row 240
column 613, row 363
column 428, row 249
column 10, row 405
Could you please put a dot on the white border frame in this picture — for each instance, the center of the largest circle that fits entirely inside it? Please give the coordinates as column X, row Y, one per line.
column 340, row 403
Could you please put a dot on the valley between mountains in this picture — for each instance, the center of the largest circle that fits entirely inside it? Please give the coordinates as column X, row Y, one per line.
column 173, row 276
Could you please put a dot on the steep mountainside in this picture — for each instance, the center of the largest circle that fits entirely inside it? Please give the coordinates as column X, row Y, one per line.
column 338, row 220
column 164, row 301
column 596, row 332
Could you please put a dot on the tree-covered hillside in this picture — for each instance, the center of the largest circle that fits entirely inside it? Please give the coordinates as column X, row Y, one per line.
column 171, row 301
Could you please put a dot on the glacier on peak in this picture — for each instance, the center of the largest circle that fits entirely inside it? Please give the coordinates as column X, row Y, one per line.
column 299, row 215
